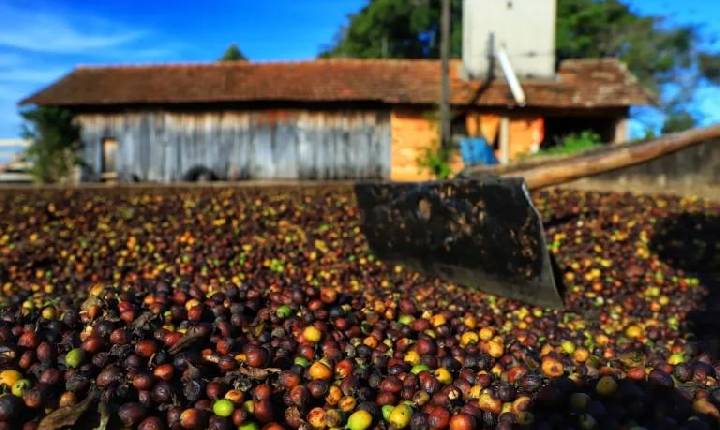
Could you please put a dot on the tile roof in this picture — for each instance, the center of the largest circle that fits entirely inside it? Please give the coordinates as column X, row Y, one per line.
column 579, row 83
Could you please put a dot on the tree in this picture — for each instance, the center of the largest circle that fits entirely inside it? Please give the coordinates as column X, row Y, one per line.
column 397, row 29
column 233, row 53
column 667, row 60
column 55, row 140
column 710, row 66
column 678, row 121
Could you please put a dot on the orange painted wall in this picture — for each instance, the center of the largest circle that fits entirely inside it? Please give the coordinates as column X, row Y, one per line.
column 525, row 133
column 413, row 131
column 485, row 125
column 525, row 136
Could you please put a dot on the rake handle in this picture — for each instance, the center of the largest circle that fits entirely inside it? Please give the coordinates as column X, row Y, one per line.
column 561, row 171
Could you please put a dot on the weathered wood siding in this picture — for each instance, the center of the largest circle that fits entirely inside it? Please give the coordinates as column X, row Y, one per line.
column 262, row 144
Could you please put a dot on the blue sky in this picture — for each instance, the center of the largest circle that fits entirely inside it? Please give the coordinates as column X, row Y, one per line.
column 42, row 40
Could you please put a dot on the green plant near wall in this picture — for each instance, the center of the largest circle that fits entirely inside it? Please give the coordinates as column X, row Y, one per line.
column 435, row 159
column 574, row 143
column 54, row 142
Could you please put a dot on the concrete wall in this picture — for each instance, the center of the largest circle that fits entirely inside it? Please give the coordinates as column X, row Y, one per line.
column 261, row 144
column 692, row 170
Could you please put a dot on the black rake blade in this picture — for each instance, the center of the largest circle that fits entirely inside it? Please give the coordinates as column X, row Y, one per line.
column 481, row 233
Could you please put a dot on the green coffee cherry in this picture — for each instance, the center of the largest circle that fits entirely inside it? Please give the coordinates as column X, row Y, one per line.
column 283, row 311
column 74, row 358
column 20, row 386
column 249, row 426
column 360, row 420
column 419, row 368
column 400, row 416
column 223, row 408
column 386, row 410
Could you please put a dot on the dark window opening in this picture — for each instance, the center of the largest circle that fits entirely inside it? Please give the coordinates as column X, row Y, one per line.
column 556, row 129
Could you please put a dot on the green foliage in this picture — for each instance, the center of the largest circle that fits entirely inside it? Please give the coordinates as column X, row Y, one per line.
column 658, row 54
column 608, row 28
column 648, row 134
column 574, row 143
column 710, row 66
column 666, row 59
column 233, row 53
column 436, row 161
column 678, row 121
column 54, row 142
column 397, row 29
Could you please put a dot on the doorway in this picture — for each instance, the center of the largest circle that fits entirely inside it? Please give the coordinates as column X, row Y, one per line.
column 109, row 159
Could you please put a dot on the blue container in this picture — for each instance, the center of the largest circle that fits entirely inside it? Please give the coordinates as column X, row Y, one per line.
column 476, row 150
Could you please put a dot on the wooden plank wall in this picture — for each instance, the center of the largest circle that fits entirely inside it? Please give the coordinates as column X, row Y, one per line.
column 263, row 144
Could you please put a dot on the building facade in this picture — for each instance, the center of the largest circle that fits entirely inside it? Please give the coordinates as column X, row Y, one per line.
column 322, row 119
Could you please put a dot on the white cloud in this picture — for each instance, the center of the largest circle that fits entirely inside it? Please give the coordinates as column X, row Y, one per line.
column 39, row 31
column 35, row 76
column 10, row 59
column 16, row 69
column 9, row 119
column 38, row 45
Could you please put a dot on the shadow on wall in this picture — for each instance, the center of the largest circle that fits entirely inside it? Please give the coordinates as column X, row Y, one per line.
column 691, row 242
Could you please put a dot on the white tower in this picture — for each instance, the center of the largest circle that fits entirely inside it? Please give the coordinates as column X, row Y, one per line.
column 522, row 31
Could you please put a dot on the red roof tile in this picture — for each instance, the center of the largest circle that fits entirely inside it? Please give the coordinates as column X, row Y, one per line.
column 579, row 83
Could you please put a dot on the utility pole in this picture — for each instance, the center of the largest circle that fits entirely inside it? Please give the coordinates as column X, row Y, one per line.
column 445, row 75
